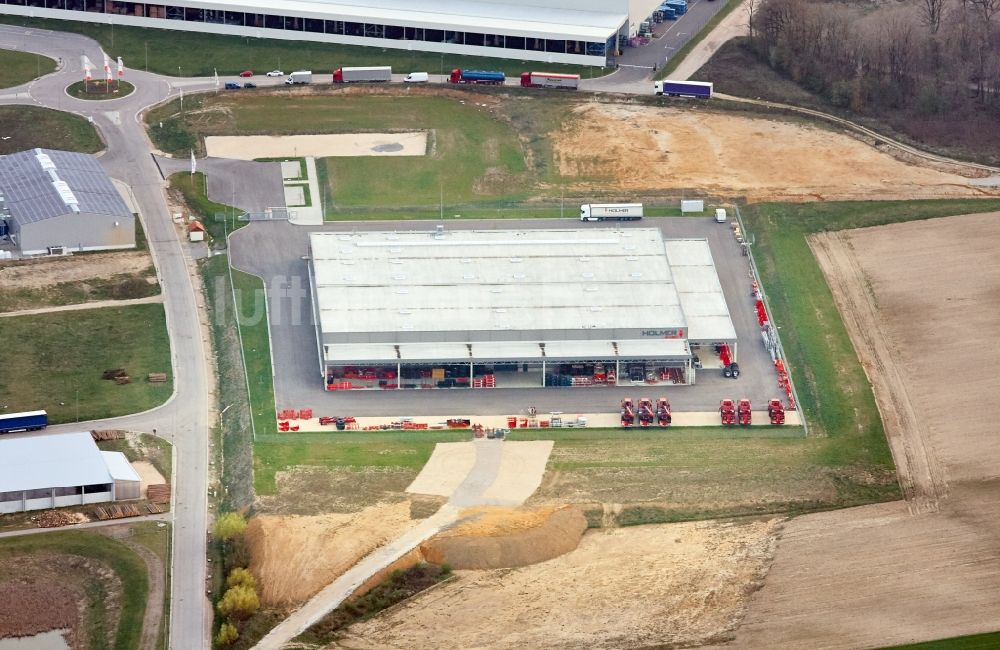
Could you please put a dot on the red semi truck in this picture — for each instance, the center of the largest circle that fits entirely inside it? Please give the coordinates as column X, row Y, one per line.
column 550, row 80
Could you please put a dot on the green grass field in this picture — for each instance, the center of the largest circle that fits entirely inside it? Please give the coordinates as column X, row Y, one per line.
column 191, row 189
column 54, row 362
column 117, row 557
column 180, row 53
column 17, row 68
column 26, row 127
column 989, row 641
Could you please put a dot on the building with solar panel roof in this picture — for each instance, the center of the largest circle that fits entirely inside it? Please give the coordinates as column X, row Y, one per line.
column 57, row 202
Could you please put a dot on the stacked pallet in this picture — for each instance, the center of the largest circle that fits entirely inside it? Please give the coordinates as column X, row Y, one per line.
column 158, row 493
column 157, row 377
column 107, row 434
column 155, row 509
column 116, row 512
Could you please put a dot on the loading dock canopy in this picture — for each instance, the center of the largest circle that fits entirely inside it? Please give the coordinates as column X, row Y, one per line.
column 503, row 351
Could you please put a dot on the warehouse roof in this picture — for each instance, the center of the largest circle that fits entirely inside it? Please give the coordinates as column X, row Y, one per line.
column 118, row 466
column 573, row 22
column 581, row 279
column 41, row 184
column 32, row 462
column 701, row 297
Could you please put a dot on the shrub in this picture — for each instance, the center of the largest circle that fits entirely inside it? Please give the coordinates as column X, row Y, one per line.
column 227, row 635
column 239, row 602
column 229, row 525
column 241, row 577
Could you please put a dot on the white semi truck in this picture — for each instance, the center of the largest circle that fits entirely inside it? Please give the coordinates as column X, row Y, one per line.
column 611, row 212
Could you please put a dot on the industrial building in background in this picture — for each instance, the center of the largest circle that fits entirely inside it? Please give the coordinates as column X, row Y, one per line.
column 518, row 309
column 584, row 32
column 58, row 202
column 61, row 469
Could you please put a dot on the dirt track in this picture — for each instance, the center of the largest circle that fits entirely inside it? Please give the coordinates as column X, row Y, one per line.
column 637, row 148
column 881, row 575
column 625, row 588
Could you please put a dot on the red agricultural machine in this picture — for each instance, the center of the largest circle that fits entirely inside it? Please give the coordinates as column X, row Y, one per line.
column 743, row 412
column 646, row 415
column 727, row 411
column 776, row 411
column 663, row 416
column 628, row 412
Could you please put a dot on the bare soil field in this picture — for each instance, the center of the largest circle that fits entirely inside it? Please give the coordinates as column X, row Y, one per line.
column 305, row 490
column 252, row 147
column 294, row 557
column 31, row 284
column 674, row 585
column 928, row 568
column 637, row 148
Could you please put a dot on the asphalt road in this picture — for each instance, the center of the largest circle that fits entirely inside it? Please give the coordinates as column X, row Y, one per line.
column 184, row 419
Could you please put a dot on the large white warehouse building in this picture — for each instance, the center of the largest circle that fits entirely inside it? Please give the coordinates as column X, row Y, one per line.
column 507, row 308
column 555, row 31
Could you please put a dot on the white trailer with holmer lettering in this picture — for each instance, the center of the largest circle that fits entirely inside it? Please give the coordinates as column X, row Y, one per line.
column 611, row 212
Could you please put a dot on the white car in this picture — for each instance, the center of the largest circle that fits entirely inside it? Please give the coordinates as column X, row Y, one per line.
column 275, row 73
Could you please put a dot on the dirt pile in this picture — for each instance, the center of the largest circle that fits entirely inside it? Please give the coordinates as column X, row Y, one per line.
column 637, row 148
column 294, row 557
column 496, row 538
column 677, row 585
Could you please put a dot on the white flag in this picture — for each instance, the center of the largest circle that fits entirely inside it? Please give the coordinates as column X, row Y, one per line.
column 194, row 164
column 87, row 67
column 215, row 72
column 108, row 74
column 121, row 68
column 107, row 66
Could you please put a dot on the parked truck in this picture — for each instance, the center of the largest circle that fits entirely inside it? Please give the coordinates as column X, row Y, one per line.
column 369, row 74
column 489, row 77
column 300, row 77
column 27, row 421
column 550, row 80
column 699, row 89
column 611, row 212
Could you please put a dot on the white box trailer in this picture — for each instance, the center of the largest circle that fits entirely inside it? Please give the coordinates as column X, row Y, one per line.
column 300, row 77
column 611, row 212
column 692, row 206
column 349, row 75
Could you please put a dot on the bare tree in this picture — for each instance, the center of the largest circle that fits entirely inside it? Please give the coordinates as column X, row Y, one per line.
column 931, row 13
column 751, row 9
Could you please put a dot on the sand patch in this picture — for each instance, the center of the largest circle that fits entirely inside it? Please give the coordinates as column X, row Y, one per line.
column 521, row 469
column 294, row 557
column 636, row 148
column 45, row 272
column 148, row 475
column 445, row 470
column 668, row 586
column 251, row 147
column 497, row 538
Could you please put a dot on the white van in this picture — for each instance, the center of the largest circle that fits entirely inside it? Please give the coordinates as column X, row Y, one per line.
column 720, row 215
column 416, row 78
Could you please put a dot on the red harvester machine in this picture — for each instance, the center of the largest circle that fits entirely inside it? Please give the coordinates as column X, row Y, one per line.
column 646, row 415
column 628, row 412
column 743, row 412
column 663, row 416
column 776, row 411
column 728, row 412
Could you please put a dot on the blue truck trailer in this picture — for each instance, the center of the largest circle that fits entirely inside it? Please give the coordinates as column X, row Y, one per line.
column 27, row 421
column 699, row 89
column 489, row 77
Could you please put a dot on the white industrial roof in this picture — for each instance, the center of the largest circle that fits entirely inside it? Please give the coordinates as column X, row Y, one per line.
column 550, row 279
column 702, row 299
column 505, row 351
column 119, row 467
column 508, row 18
column 32, row 462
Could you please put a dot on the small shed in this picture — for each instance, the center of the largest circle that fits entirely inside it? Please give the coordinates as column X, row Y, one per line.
column 126, row 479
column 196, row 231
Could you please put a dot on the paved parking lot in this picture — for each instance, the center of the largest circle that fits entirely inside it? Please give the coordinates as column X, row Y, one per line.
column 275, row 252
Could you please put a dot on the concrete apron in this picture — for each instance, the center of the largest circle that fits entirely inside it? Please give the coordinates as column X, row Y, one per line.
column 594, row 420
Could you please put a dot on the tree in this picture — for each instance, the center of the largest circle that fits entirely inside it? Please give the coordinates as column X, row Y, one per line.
column 241, row 576
column 227, row 635
column 931, row 12
column 229, row 525
column 751, row 9
column 239, row 602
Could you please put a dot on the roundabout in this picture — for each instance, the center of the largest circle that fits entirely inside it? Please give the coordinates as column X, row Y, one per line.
column 100, row 90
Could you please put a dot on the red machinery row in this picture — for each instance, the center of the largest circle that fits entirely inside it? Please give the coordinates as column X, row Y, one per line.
column 646, row 413
column 740, row 413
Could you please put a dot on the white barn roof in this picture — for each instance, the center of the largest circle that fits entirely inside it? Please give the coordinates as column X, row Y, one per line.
column 119, row 468
column 701, row 297
column 32, row 462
